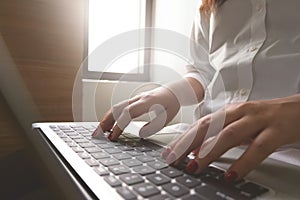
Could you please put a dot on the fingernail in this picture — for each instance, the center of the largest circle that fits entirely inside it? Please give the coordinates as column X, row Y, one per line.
column 231, row 176
column 166, row 152
column 144, row 132
column 95, row 132
column 110, row 136
column 191, row 167
column 171, row 158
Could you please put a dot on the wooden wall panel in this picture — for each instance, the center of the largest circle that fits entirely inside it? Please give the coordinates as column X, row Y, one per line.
column 10, row 138
column 45, row 40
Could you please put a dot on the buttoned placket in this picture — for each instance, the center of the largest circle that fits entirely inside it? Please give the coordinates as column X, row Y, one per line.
column 245, row 64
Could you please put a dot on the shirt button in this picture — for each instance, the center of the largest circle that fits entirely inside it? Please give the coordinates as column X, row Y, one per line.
column 258, row 8
column 252, row 49
column 243, row 91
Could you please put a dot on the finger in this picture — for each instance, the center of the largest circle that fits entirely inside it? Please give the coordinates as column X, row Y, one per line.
column 173, row 143
column 105, row 125
column 262, row 146
column 164, row 116
column 130, row 112
column 196, row 151
column 232, row 135
column 108, row 121
column 190, row 140
column 170, row 146
column 118, row 108
column 208, row 126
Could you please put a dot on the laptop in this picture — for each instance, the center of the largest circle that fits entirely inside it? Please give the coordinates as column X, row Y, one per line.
column 132, row 168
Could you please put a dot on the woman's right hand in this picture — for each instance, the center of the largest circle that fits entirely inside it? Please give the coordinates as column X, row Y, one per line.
column 161, row 101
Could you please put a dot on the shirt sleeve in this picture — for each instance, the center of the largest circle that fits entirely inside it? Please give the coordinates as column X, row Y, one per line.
column 200, row 68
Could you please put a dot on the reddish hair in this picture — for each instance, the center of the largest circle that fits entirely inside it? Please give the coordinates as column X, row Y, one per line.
column 209, row 6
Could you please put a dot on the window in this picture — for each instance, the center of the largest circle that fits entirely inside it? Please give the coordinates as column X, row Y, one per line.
column 107, row 23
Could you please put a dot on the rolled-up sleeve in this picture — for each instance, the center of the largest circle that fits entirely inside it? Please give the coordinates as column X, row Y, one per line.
column 200, row 68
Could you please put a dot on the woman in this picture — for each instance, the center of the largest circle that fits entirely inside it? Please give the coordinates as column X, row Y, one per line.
column 246, row 66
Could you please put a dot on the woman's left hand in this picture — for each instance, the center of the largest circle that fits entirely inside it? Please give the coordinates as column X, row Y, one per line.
column 264, row 125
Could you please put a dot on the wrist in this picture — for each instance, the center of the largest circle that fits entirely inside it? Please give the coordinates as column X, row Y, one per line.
column 187, row 91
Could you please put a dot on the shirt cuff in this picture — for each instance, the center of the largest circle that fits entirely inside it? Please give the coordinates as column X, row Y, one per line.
column 200, row 78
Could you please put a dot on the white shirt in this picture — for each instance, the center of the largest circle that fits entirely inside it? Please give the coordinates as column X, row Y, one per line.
column 249, row 50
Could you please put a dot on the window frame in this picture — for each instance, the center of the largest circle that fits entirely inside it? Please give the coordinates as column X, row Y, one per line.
column 139, row 77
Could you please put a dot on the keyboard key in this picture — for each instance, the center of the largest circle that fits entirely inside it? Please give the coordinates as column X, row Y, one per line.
column 193, row 197
column 84, row 155
column 161, row 197
column 62, row 127
column 143, row 149
column 146, row 189
column 69, row 132
column 135, row 153
column 220, row 193
column 77, row 149
column 153, row 153
column 86, row 145
column 100, row 155
column 81, row 140
column 92, row 162
column 86, row 134
column 133, row 143
column 98, row 141
column 252, row 190
column 132, row 162
column 124, row 140
column 118, row 169
column 109, row 161
column 131, row 179
column 211, row 172
column 121, row 156
column 208, row 192
column 175, row 189
column 66, row 131
column 112, row 181
column 144, row 158
column 188, row 181
column 158, row 179
column 105, row 146
column 56, row 130
column 72, row 144
column 101, row 171
column 79, row 129
column 125, row 148
column 67, row 140
column 157, row 165
column 75, row 126
column 83, row 131
column 113, row 150
column 93, row 149
column 61, row 135
column 75, row 137
column 126, row 193
column 171, row 172
column 143, row 170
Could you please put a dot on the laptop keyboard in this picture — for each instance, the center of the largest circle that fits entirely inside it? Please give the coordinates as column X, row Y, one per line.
column 135, row 169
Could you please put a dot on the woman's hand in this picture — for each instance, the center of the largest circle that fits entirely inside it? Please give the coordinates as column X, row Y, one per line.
column 264, row 125
column 161, row 101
